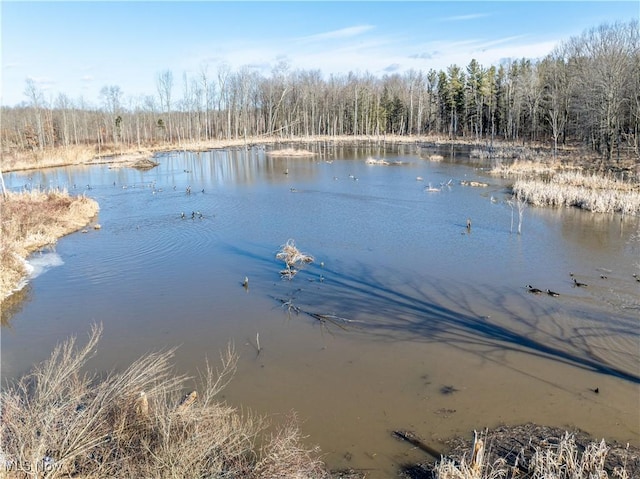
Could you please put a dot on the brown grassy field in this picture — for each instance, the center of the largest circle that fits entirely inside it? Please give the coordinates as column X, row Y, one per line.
column 32, row 220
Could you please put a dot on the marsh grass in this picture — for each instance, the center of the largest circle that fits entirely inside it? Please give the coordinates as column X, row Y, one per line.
column 562, row 459
column 14, row 159
column 531, row 168
column 382, row 162
column 591, row 192
column 510, row 152
column 290, row 152
column 133, row 423
column 32, row 220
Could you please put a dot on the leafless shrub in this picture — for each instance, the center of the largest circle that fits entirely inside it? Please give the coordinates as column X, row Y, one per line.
column 283, row 456
column 134, row 424
column 293, row 258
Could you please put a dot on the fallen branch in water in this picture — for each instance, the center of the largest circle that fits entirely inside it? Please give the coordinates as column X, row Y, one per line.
column 414, row 440
column 323, row 318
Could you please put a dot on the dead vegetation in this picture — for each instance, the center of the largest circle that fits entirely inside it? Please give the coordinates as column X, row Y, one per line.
column 138, row 423
column 533, row 452
column 475, row 184
column 549, row 182
column 592, row 192
column 382, row 162
column 32, row 220
column 531, row 168
column 293, row 259
column 291, row 152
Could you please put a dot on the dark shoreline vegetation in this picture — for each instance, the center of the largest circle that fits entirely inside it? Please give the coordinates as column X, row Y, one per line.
column 565, row 128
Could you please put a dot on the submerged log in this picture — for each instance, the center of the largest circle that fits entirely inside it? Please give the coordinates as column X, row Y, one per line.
column 414, row 440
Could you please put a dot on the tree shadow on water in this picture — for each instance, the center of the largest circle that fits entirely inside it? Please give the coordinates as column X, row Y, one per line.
column 390, row 306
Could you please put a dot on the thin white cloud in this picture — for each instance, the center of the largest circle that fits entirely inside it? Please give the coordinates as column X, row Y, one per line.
column 44, row 82
column 492, row 55
column 464, row 18
column 11, row 65
column 424, row 55
column 87, row 78
column 499, row 41
column 342, row 33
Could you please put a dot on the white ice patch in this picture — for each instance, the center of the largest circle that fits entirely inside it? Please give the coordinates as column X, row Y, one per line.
column 40, row 263
column 36, row 265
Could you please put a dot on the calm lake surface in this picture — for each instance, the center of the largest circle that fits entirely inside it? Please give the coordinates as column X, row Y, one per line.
column 435, row 331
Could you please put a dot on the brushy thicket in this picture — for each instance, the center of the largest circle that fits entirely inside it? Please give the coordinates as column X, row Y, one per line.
column 137, row 423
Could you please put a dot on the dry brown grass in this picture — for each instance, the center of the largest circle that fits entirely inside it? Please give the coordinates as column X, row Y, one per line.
column 382, row 162
column 512, row 152
column 32, row 220
column 14, row 160
column 290, row 152
column 592, row 192
column 531, row 168
column 133, row 423
column 562, row 459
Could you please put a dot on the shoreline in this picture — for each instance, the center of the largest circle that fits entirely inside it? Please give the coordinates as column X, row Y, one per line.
column 538, row 178
column 32, row 221
column 113, row 154
column 534, row 171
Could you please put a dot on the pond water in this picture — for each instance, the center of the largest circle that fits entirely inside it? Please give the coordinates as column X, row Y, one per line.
column 432, row 328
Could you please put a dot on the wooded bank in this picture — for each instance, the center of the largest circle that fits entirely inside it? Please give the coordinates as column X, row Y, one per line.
column 585, row 93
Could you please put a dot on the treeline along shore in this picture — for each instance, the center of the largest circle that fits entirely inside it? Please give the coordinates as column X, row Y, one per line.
column 583, row 94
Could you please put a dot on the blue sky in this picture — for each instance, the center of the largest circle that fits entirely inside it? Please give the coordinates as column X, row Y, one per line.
column 78, row 47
